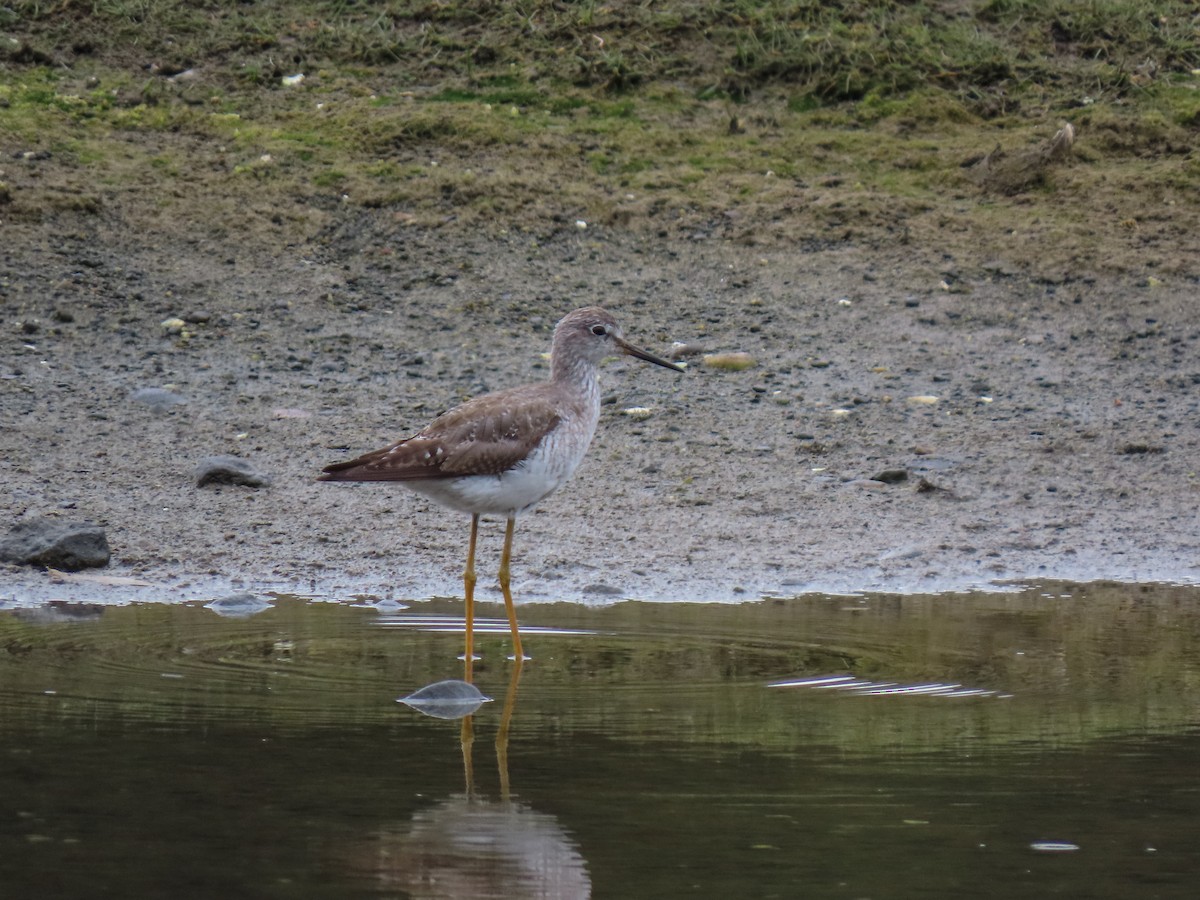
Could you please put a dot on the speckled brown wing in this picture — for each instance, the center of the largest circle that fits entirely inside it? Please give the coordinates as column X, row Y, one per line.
column 484, row 436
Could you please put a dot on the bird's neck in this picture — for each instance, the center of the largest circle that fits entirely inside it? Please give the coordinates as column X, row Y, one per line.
column 579, row 376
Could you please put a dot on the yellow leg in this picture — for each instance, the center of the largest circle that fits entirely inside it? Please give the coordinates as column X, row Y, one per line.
column 469, row 596
column 510, row 703
column 505, row 557
column 467, row 739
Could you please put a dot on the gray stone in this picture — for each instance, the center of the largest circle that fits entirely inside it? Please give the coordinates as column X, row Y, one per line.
column 239, row 606
column 446, row 699
column 61, row 545
column 158, row 399
column 600, row 589
column 228, row 469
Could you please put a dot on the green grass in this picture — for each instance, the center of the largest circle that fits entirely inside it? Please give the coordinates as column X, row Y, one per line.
column 530, row 109
column 524, row 52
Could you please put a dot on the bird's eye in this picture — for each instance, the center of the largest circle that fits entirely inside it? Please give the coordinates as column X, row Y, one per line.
column 599, row 330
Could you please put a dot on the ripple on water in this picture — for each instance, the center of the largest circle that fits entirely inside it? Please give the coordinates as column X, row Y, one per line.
column 1073, row 661
column 762, row 749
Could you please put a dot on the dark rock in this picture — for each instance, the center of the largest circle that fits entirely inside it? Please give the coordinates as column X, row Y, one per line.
column 228, row 469
column 1132, row 449
column 891, row 476
column 62, row 545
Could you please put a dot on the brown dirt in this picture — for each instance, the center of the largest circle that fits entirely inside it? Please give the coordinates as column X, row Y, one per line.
column 1063, row 442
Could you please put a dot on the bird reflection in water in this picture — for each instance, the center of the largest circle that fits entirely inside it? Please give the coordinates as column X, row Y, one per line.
column 468, row 846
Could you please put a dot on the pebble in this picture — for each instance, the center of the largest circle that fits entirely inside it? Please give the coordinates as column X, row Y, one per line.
column 600, row 589
column 680, row 350
column 1138, row 447
column 732, row 362
column 932, row 464
column 229, row 469
column 900, row 553
column 61, row 545
column 925, row 486
column 891, row 476
column 158, row 399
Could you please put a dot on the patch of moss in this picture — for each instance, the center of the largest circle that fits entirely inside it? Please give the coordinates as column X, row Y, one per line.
column 806, row 120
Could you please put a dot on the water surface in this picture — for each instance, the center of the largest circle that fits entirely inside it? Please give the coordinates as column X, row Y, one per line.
column 648, row 750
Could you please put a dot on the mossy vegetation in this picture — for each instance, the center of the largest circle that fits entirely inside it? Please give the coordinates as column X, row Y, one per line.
column 807, row 120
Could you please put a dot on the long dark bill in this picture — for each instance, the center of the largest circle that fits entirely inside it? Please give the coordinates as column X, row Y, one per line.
column 646, row 355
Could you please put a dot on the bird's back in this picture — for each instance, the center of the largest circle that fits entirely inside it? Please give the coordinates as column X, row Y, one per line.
column 490, row 436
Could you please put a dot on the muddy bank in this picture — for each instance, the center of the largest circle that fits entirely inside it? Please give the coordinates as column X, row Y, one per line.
column 911, row 423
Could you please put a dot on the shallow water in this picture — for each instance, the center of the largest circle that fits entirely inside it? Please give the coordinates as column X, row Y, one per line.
column 648, row 750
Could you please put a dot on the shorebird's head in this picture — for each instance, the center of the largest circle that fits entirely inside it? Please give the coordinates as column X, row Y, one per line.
column 591, row 334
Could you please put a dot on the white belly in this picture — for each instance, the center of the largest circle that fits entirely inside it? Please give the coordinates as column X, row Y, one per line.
column 543, row 472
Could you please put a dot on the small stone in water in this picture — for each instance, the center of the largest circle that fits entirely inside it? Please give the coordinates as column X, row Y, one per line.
column 238, row 606
column 451, row 699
